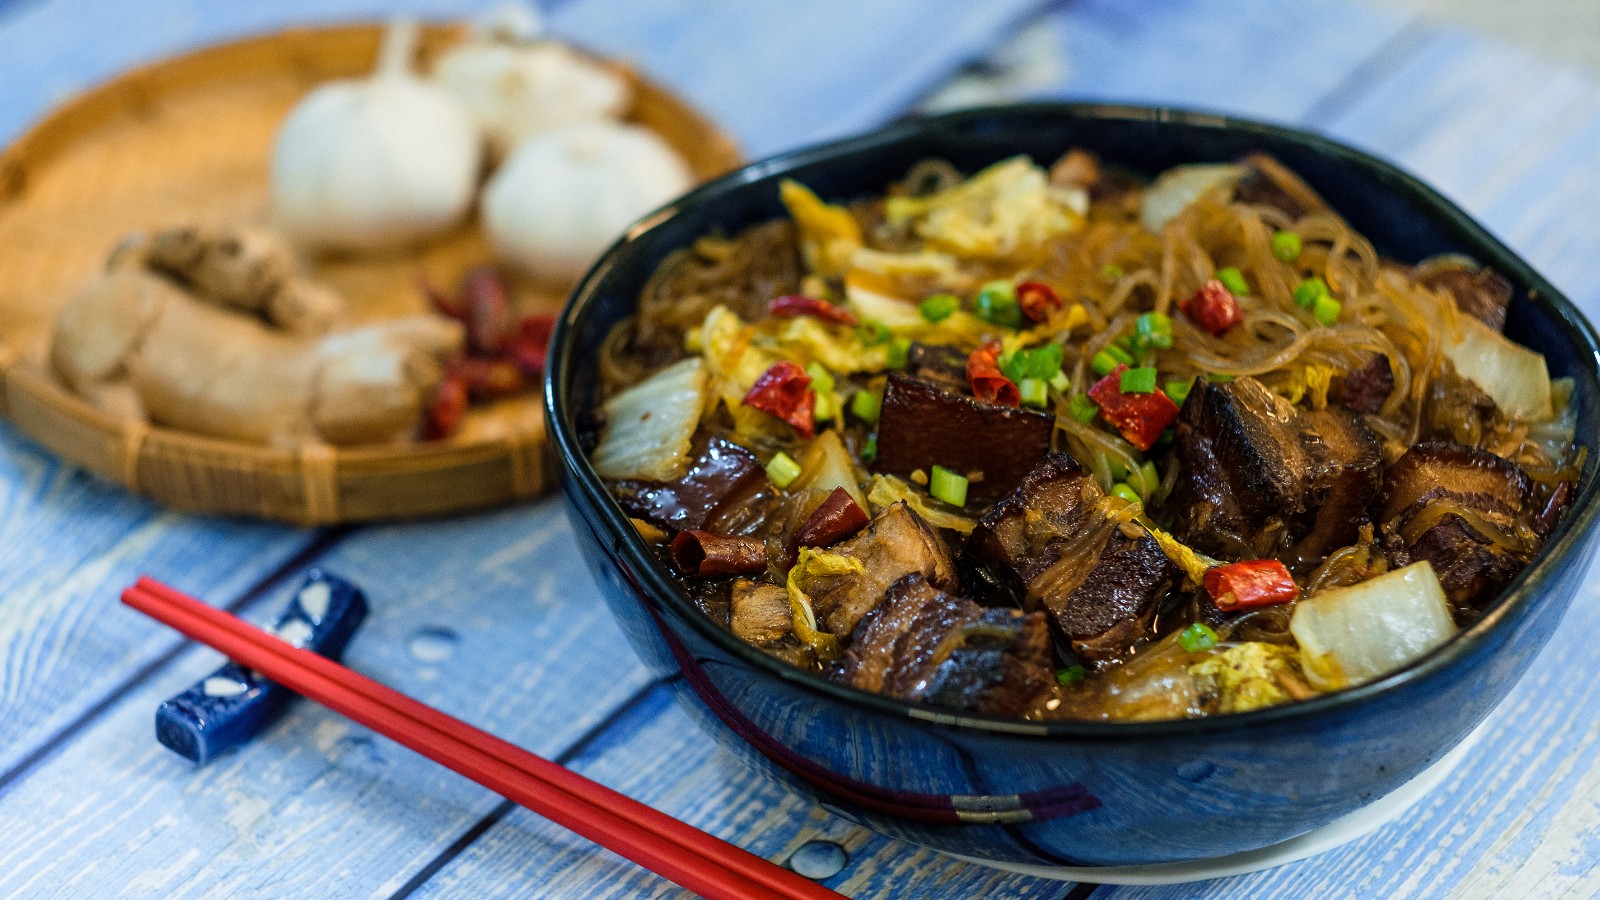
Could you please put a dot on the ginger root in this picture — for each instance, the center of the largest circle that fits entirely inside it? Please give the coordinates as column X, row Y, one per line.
column 135, row 344
column 246, row 269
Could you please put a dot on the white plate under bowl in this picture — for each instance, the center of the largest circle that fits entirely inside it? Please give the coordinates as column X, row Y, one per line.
column 1340, row 831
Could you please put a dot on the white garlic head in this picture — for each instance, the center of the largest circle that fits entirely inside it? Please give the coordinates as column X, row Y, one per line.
column 566, row 193
column 375, row 163
column 515, row 88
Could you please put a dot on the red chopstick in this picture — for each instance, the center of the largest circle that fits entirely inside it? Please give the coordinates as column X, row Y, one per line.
column 675, row 850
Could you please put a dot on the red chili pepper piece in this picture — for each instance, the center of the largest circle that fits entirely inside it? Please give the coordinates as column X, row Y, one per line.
column 446, row 408
column 839, row 517
column 701, row 554
column 1213, row 307
column 487, row 379
column 529, row 346
column 983, row 373
column 790, row 305
column 1140, row 417
column 488, row 311
column 1038, row 300
column 785, row 391
column 447, row 306
column 1256, row 582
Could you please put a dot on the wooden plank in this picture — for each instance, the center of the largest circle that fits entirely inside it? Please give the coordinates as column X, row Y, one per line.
column 491, row 618
column 68, row 543
column 657, row 754
column 797, row 73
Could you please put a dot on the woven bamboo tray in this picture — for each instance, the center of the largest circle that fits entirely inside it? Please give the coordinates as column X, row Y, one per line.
column 187, row 141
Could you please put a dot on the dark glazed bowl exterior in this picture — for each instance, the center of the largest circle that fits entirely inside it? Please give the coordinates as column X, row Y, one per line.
column 1072, row 793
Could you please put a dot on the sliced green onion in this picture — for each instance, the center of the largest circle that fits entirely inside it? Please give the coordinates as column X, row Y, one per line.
column 939, row 307
column 823, row 408
column 1197, row 638
column 1060, row 382
column 1233, row 280
column 782, row 470
column 1044, row 362
column 1120, row 355
column 1153, row 330
column 1286, row 246
column 1307, row 292
column 946, row 485
column 1071, row 675
column 821, row 378
column 1214, row 378
column 873, row 334
column 1034, row 392
column 866, row 405
column 1121, row 489
column 1178, row 390
column 1012, row 365
column 1103, row 362
column 1139, row 381
column 899, row 350
column 1150, row 477
column 869, row 452
column 1327, row 310
column 1082, row 408
column 1111, row 273
column 997, row 303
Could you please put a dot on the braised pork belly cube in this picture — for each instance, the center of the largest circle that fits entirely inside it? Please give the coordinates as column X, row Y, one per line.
column 1051, row 542
column 922, row 643
column 1468, row 512
column 722, row 476
column 923, row 425
column 897, row 543
column 1481, row 293
column 1260, row 478
column 1364, row 388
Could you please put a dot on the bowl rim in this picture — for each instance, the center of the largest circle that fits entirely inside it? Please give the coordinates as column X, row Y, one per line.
column 1526, row 589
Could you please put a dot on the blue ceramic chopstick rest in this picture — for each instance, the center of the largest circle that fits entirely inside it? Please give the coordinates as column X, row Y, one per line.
column 231, row 705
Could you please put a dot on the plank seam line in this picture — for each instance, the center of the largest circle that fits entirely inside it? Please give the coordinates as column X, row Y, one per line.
column 1081, row 891
column 504, row 807
column 319, row 544
column 1378, row 65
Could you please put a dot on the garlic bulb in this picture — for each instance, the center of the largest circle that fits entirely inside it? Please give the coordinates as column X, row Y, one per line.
column 375, row 163
column 515, row 86
column 566, row 193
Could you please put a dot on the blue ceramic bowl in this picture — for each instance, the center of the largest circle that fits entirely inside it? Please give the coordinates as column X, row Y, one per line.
column 1072, row 793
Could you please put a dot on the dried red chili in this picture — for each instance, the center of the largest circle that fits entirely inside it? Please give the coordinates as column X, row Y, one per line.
column 488, row 311
column 701, row 554
column 790, row 305
column 1140, row 417
column 1213, row 307
column 988, row 383
column 446, row 408
column 529, row 346
column 1038, row 300
column 839, row 517
column 1256, row 582
column 785, row 391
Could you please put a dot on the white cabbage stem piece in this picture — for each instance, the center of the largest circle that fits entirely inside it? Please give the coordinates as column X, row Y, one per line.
column 375, row 163
column 566, row 193
column 1353, row 634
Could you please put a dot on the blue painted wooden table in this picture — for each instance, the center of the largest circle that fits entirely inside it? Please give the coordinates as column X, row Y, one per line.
column 493, row 618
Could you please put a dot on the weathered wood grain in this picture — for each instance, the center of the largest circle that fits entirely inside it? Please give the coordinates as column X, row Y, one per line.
column 657, row 754
column 68, row 544
column 491, row 618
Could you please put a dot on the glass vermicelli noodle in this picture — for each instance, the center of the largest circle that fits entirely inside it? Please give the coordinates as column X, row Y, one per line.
column 1057, row 440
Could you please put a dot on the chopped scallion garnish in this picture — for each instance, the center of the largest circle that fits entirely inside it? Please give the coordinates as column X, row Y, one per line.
column 1178, row 390
column 1060, row 381
column 873, row 334
column 1326, row 310
column 997, row 303
column 939, row 307
column 1082, row 408
column 1153, row 331
column 821, row 378
column 1111, row 273
column 946, row 485
column 1307, row 292
column 1103, row 362
column 1034, row 392
column 1043, row 363
column 782, row 470
column 1071, row 675
column 1139, row 381
column 899, row 350
column 1197, row 638
column 869, row 452
column 1121, row 489
column 866, row 405
column 1286, row 246
column 1233, row 280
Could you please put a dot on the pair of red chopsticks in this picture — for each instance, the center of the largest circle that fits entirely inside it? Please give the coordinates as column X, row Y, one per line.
column 675, row 850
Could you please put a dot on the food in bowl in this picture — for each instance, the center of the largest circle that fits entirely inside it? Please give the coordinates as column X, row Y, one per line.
column 1064, row 443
